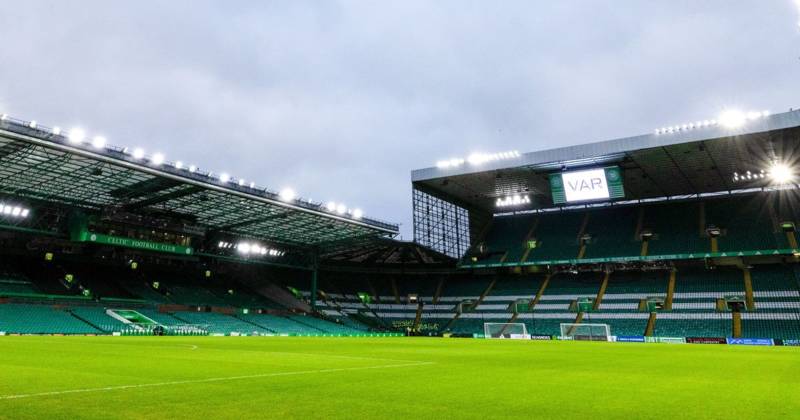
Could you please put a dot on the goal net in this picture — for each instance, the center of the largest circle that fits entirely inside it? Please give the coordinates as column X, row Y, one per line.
column 586, row 332
column 505, row 330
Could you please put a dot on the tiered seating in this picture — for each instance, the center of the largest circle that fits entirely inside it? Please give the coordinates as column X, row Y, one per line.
column 324, row 326
column 777, row 302
column 557, row 236
column 161, row 317
column 771, row 325
column 41, row 319
column 676, row 228
column 242, row 298
column 507, row 237
column 694, row 325
column 613, row 233
column 98, row 317
column 746, row 221
column 194, row 295
column 746, row 224
column 217, row 323
column 11, row 286
column 279, row 324
column 351, row 323
column 142, row 290
column 694, row 311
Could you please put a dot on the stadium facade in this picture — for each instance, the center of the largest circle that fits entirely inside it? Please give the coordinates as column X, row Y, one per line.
column 685, row 233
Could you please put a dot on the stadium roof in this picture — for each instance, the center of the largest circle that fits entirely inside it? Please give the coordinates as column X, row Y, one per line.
column 684, row 160
column 390, row 252
column 42, row 164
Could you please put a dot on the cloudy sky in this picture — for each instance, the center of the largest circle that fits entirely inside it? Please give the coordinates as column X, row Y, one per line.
column 340, row 100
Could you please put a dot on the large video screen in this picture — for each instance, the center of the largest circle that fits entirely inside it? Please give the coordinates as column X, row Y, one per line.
column 595, row 184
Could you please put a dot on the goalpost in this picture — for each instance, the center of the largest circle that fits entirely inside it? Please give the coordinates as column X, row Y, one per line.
column 505, row 330
column 586, row 332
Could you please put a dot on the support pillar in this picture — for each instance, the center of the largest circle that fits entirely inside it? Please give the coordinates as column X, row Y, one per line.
column 314, row 274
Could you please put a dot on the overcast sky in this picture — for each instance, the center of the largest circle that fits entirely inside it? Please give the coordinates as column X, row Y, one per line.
column 340, row 100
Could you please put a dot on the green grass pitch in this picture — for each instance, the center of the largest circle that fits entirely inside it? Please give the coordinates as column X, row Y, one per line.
column 360, row 378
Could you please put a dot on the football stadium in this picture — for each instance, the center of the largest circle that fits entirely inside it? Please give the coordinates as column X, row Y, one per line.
column 641, row 277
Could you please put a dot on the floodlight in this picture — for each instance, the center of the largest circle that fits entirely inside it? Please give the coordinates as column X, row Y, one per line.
column 223, row 177
column 781, row 173
column 476, row 158
column 331, row 206
column 138, row 153
column 341, row 209
column 732, row 118
column 243, row 247
column 357, row 213
column 753, row 115
column 287, row 194
column 57, row 130
column 25, row 213
column 76, row 135
column 192, row 168
column 157, row 159
column 32, row 124
column 178, row 165
column 241, row 182
column 98, row 142
column 3, row 117
column 16, row 211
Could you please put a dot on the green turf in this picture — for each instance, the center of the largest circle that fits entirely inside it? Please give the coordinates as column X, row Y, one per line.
column 357, row 378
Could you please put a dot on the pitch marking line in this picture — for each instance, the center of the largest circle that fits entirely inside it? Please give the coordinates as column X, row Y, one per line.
column 207, row 380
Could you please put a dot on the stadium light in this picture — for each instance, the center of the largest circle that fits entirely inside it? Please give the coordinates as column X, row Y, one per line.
column 287, row 194
column 138, row 153
column 728, row 119
column 341, row 209
column 3, row 117
column 241, row 182
column 477, row 159
column 57, row 130
column 32, row 124
column 732, row 118
column 357, row 213
column 76, row 135
column 16, row 211
column 98, row 142
column 178, row 165
column 247, row 249
column 513, row 200
column 748, row 176
column 157, row 159
column 331, row 206
column 223, row 177
column 192, row 169
column 781, row 173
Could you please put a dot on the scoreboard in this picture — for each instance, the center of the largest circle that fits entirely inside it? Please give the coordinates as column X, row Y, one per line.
column 596, row 184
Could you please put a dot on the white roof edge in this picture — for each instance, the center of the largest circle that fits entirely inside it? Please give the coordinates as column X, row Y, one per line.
column 598, row 152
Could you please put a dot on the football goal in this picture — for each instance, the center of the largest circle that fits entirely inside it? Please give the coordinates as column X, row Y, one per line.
column 505, row 330
column 586, row 332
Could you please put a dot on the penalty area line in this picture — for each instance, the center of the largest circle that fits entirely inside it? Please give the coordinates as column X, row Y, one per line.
column 207, row 380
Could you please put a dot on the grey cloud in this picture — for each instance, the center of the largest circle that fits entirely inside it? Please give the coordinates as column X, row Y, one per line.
column 341, row 99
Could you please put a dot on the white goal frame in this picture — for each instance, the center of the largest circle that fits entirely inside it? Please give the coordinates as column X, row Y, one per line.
column 585, row 332
column 514, row 330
